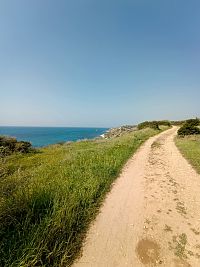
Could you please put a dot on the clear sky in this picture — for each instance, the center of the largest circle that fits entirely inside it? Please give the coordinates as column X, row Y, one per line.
column 98, row 62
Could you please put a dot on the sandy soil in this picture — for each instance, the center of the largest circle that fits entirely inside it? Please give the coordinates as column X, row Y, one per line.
column 151, row 217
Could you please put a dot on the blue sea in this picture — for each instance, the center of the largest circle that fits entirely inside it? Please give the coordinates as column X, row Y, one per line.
column 43, row 136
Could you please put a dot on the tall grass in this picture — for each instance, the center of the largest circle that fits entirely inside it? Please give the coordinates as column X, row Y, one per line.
column 190, row 148
column 48, row 199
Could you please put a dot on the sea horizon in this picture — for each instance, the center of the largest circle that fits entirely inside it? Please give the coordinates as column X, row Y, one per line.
column 40, row 136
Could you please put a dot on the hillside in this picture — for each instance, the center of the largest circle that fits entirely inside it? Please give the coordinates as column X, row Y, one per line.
column 48, row 197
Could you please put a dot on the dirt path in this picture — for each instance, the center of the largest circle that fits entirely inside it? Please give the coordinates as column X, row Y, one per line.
column 151, row 217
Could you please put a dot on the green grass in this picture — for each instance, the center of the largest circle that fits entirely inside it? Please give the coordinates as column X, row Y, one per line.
column 48, row 199
column 190, row 148
column 181, row 242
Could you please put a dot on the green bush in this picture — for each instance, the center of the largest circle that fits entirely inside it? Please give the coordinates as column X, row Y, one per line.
column 9, row 145
column 189, row 127
column 153, row 124
column 193, row 122
column 148, row 124
column 4, row 151
column 164, row 123
column 177, row 123
column 22, row 146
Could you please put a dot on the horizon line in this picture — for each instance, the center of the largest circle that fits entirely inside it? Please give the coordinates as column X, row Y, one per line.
column 53, row 126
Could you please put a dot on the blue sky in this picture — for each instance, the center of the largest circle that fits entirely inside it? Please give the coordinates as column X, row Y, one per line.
column 98, row 62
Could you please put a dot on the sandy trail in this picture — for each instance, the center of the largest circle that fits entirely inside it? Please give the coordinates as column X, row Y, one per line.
column 151, row 217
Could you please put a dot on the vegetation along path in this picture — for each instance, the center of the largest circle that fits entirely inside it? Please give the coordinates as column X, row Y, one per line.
column 151, row 217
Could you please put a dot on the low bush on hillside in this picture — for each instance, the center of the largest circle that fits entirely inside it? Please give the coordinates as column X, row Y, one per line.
column 192, row 122
column 189, row 127
column 9, row 145
column 153, row 124
column 164, row 123
column 177, row 123
column 188, row 130
column 148, row 124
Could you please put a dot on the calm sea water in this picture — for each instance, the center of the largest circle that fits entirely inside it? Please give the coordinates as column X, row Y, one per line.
column 43, row 136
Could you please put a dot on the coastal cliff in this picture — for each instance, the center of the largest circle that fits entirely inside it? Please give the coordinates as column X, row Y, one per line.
column 119, row 131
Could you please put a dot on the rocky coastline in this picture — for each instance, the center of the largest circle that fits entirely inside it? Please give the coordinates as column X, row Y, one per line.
column 119, row 131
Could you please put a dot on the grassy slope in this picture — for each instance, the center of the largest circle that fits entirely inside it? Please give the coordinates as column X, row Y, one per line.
column 47, row 199
column 190, row 148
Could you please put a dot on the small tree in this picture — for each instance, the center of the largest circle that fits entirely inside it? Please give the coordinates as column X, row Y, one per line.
column 9, row 145
column 193, row 122
column 150, row 124
column 22, row 146
column 190, row 127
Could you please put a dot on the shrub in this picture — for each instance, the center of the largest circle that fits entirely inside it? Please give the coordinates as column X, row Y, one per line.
column 149, row 124
column 164, row 123
column 188, row 129
column 9, row 145
column 177, row 123
column 4, row 151
column 22, row 146
column 8, row 142
column 154, row 124
column 193, row 122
